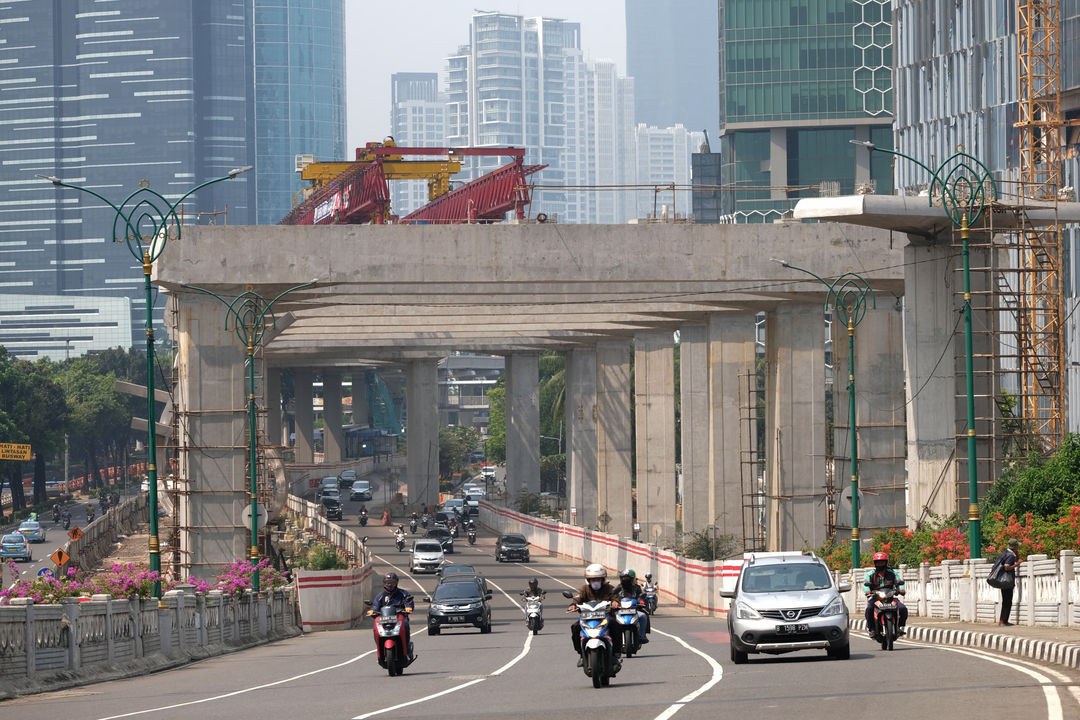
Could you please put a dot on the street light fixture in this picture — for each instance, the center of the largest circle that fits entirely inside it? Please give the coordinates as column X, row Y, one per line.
column 964, row 187
column 145, row 221
column 847, row 296
column 252, row 316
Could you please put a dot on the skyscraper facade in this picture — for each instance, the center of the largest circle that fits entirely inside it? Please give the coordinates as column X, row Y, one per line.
column 610, row 153
column 299, row 95
column 107, row 95
column 417, row 119
column 671, row 54
column 798, row 81
column 663, row 161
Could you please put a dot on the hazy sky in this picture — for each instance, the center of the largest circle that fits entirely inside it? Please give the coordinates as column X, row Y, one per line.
column 388, row 36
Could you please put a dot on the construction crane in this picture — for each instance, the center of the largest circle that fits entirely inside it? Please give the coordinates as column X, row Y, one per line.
column 358, row 192
column 1039, row 317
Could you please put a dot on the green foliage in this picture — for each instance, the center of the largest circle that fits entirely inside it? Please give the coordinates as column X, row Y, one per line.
column 1038, row 485
column 495, row 447
column 319, row 556
column 704, row 546
column 455, row 444
column 553, row 473
column 533, row 504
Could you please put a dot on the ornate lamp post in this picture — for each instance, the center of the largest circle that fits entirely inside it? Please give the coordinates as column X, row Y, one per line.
column 145, row 221
column 964, row 187
column 252, row 317
column 847, row 296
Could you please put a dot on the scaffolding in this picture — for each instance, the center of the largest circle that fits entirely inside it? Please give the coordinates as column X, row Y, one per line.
column 750, row 464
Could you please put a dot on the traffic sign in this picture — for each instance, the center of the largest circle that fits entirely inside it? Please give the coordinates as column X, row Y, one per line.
column 14, row 451
column 43, row 572
column 60, row 558
column 260, row 522
column 75, row 533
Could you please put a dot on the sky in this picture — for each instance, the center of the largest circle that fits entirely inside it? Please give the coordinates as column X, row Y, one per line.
column 388, row 36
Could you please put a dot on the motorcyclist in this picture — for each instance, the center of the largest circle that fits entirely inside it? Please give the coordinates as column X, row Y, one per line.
column 650, row 585
column 882, row 576
column 628, row 588
column 393, row 596
column 66, row 517
column 595, row 589
column 534, row 590
column 89, row 512
column 56, row 512
column 399, row 534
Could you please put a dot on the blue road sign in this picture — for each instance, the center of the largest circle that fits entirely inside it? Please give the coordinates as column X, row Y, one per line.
column 44, row 571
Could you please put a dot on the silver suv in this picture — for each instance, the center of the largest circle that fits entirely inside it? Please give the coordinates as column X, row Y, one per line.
column 786, row 601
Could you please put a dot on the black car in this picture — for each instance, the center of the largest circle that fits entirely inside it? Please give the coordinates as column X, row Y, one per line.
column 512, row 547
column 330, row 508
column 457, row 603
column 443, row 536
column 460, row 573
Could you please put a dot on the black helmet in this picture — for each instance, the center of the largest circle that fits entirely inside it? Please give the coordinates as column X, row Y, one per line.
column 390, row 581
column 533, row 582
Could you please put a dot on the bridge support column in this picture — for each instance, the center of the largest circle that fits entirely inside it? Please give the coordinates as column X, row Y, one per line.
column 304, row 448
column 879, row 413
column 581, row 443
column 422, row 462
column 523, row 424
column 795, row 427
column 732, row 340
column 694, row 392
column 333, row 433
column 360, row 414
column 211, row 394
column 614, row 436
column 273, row 406
column 654, row 402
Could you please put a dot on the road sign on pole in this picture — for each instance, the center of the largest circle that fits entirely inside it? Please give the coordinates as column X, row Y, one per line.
column 60, row 558
column 44, row 572
column 14, row 451
column 75, row 533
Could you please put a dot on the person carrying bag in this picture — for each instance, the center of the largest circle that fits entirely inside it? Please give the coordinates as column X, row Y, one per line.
column 1003, row 577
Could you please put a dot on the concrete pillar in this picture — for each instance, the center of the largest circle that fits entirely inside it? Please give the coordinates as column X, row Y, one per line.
column 360, row 413
column 654, row 405
column 211, row 397
column 929, row 322
column 523, row 423
column 733, row 427
column 862, row 158
column 694, row 391
column 581, row 413
column 304, row 414
column 333, row 433
column 879, row 418
column 273, row 406
column 795, row 427
column 614, row 435
column 778, row 160
column 422, row 462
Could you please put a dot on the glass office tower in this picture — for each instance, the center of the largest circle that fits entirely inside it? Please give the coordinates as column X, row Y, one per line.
column 799, row 79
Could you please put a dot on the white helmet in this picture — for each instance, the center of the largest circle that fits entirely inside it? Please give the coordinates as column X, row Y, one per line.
column 594, row 571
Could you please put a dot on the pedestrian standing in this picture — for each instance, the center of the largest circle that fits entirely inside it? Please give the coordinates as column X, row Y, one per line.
column 1008, row 560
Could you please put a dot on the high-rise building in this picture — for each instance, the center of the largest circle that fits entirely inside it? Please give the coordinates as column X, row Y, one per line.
column 417, row 119
column 512, row 85
column 671, row 54
column 800, row 79
column 663, row 161
column 299, row 96
column 106, row 95
column 610, row 155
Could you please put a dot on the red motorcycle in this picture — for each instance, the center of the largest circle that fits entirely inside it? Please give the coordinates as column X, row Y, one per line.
column 885, row 616
column 392, row 638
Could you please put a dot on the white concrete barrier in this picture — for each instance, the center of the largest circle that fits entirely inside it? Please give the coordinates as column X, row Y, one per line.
column 333, row 599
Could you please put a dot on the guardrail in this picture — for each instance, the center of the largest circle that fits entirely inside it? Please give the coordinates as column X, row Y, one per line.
column 347, row 540
column 98, row 537
column 48, row 647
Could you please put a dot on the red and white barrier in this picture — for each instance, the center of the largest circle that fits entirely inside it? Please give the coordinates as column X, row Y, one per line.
column 333, row 599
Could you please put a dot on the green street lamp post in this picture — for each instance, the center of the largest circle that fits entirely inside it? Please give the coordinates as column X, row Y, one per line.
column 847, row 296
column 965, row 187
column 145, row 221
column 252, row 317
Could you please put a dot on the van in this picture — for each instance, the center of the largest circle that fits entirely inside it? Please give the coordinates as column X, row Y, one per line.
column 361, row 490
column 427, row 556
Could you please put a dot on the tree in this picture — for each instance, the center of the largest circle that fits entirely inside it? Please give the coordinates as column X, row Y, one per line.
column 455, row 444
column 1039, row 485
column 495, row 447
column 100, row 423
column 35, row 413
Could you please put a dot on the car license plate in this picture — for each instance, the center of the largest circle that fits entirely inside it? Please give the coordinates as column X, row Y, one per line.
column 792, row 629
column 456, row 619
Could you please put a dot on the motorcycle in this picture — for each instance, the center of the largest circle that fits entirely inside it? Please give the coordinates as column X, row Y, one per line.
column 89, row 514
column 534, row 613
column 598, row 660
column 472, row 536
column 67, row 519
column 650, row 597
column 390, row 641
column 363, row 518
column 412, row 526
column 56, row 515
column 453, row 529
column 399, row 540
column 626, row 617
column 424, row 520
column 885, row 615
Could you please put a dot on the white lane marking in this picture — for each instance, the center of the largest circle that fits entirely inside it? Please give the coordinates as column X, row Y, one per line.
column 717, row 676
column 239, row 692
column 447, row 691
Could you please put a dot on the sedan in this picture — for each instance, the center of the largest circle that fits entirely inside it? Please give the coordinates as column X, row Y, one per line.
column 33, row 531
column 459, row 603
column 330, row 508
column 512, row 547
column 443, row 536
column 15, row 547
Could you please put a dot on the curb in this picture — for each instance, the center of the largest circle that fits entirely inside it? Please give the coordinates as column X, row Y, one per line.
column 1059, row 653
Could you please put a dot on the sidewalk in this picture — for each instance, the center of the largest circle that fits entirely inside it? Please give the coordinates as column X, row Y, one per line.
column 1052, row 644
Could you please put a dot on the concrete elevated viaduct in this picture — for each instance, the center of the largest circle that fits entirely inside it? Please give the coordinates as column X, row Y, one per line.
column 408, row 295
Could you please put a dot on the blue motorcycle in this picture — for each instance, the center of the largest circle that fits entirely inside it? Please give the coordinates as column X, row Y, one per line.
column 626, row 617
column 598, row 660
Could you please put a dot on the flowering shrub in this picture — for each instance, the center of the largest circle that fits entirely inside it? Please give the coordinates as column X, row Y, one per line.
column 235, row 578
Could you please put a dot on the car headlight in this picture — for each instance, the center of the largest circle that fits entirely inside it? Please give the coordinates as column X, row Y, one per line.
column 745, row 612
column 834, row 608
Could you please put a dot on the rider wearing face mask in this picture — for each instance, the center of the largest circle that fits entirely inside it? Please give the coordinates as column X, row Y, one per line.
column 628, row 588
column 595, row 589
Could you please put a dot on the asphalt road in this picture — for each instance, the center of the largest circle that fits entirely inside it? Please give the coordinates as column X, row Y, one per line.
column 684, row 672
column 55, row 537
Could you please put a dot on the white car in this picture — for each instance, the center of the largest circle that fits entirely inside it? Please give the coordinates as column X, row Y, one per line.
column 427, row 556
